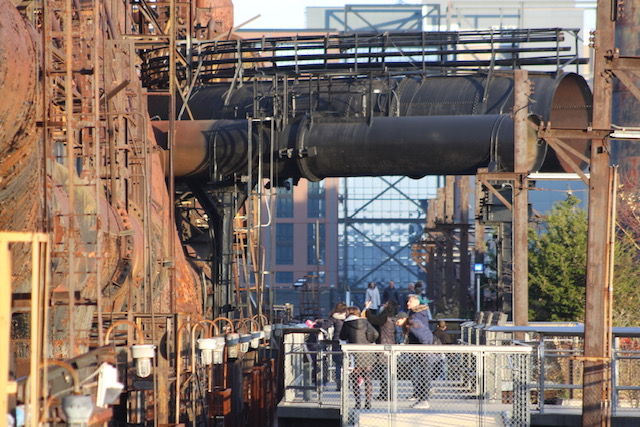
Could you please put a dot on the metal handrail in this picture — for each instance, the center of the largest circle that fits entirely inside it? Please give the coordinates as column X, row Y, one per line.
column 369, row 52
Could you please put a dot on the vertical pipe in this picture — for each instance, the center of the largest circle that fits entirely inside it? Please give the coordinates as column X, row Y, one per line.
column 248, row 268
column 45, row 320
column 98, row 171
column 465, row 263
column 259, row 257
column 345, row 238
column 478, row 277
column 316, row 304
column 34, row 345
column 613, row 187
column 5, row 320
column 520, row 202
column 71, row 173
column 431, row 273
column 171, row 147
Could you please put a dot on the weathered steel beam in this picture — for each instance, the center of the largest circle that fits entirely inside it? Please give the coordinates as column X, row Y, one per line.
column 596, row 401
column 522, row 87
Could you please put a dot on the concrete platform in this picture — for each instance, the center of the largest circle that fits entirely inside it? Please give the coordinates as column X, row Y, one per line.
column 430, row 419
column 442, row 413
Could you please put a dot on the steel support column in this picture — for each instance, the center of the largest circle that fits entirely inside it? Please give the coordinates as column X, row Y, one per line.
column 479, row 244
column 596, row 408
column 465, row 263
column 520, row 201
column 449, row 210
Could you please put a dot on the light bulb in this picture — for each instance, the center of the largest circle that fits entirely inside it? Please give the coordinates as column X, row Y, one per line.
column 143, row 367
column 206, row 347
column 143, row 353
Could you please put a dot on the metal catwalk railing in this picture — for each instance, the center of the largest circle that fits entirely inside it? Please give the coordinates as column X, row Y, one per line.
column 361, row 53
column 378, row 385
column 558, row 372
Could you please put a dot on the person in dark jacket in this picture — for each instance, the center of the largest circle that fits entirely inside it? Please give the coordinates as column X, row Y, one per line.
column 441, row 333
column 358, row 330
column 390, row 293
column 421, row 313
column 385, row 323
column 417, row 330
column 335, row 320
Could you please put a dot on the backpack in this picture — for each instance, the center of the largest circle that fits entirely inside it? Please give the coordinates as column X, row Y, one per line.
column 371, row 334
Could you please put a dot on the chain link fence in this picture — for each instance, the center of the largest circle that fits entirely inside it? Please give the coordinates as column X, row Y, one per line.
column 312, row 368
column 557, row 374
column 417, row 385
column 420, row 385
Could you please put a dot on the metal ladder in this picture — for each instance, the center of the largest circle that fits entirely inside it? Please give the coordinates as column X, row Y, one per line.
column 73, row 131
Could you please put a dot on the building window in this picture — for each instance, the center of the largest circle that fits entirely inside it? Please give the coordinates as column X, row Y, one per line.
column 284, row 277
column 284, row 244
column 312, row 239
column 315, row 200
column 284, row 201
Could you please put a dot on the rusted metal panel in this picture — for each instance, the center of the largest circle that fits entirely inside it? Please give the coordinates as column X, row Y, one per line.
column 213, row 18
column 21, row 178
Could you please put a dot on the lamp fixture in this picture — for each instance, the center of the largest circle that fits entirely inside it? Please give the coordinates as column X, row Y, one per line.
column 77, row 408
column 232, row 340
column 142, row 354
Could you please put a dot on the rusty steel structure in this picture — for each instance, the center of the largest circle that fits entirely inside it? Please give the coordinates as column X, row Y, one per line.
column 134, row 160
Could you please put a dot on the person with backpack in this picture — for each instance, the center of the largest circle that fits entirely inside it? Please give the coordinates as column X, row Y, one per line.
column 357, row 330
column 416, row 326
column 384, row 322
column 334, row 322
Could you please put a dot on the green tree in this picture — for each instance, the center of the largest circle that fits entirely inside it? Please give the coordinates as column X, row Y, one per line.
column 626, row 274
column 557, row 264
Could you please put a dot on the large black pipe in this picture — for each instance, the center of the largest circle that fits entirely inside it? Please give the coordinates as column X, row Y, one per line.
column 411, row 146
column 340, row 142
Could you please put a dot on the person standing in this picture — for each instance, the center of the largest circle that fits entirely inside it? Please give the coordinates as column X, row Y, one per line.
column 416, row 325
column 441, row 333
column 418, row 313
column 358, row 330
column 385, row 323
column 405, row 296
column 422, row 298
column 390, row 293
column 336, row 320
column 372, row 296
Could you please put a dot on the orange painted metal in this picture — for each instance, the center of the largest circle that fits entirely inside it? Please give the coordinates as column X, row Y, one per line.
column 20, row 164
